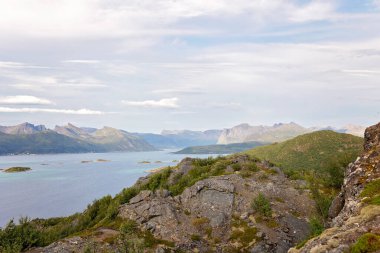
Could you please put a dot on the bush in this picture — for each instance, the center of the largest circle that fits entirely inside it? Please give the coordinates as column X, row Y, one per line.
column 262, row 205
column 366, row 243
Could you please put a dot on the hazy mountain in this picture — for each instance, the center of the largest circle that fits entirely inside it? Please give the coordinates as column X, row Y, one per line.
column 185, row 138
column 347, row 129
column 28, row 138
column 72, row 131
column 108, row 138
column 24, row 128
column 354, row 130
column 276, row 133
column 221, row 148
column 46, row 142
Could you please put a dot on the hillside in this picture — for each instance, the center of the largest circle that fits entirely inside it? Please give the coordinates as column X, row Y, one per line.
column 46, row 142
column 276, row 133
column 314, row 151
column 355, row 212
column 220, row 149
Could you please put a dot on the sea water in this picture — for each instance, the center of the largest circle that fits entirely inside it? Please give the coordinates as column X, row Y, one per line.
column 63, row 184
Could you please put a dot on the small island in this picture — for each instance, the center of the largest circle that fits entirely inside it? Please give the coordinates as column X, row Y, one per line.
column 102, row 160
column 16, row 169
column 144, row 162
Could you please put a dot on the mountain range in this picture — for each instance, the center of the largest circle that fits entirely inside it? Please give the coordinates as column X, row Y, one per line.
column 27, row 138
column 277, row 133
column 38, row 139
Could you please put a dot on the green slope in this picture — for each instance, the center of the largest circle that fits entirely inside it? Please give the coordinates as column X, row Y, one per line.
column 221, row 148
column 46, row 142
column 312, row 151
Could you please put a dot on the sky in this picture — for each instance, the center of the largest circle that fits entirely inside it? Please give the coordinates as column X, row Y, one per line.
column 148, row 65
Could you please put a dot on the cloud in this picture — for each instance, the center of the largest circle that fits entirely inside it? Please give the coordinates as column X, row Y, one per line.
column 24, row 100
column 182, row 91
column 151, row 18
column 163, row 103
column 59, row 111
column 19, row 65
column 82, row 61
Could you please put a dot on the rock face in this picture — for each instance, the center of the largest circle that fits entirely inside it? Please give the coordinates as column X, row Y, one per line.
column 351, row 215
column 276, row 133
column 215, row 214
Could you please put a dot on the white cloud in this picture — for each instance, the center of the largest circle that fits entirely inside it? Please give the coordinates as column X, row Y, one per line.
column 103, row 19
column 24, row 100
column 19, row 65
column 59, row 111
column 316, row 10
column 163, row 103
column 82, row 61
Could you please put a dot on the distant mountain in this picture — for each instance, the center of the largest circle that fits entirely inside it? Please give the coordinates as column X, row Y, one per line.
column 181, row 138
column 354, row 130
column 276, row 133
column 347, row 129
column 28, row 138
column 108, row 138
column 221, row 148
column 46, row 142
column 24, row 128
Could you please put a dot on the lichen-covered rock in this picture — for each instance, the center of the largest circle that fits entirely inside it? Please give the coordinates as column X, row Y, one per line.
column 351, row 216
column 219, row 208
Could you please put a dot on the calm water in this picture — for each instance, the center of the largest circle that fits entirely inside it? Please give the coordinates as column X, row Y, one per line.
column 60, row 185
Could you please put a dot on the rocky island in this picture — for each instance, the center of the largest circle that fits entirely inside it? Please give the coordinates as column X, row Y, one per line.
column 16, row 169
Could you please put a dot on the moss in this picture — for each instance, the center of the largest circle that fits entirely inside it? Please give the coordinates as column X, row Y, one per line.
column 371, row 192
column 195, row 237
column 242, row 233
column 366, row 243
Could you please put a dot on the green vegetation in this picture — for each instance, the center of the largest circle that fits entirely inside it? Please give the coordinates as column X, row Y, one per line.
column 262, row 205
column 371, row 192
column 318, row 151
column 221, row 149
column 242, row 233
column 17, row 169
column 366, row 243
column 319, row 158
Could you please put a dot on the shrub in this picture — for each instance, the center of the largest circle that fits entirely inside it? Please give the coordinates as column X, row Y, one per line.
column 262, row 205
column 366, row 243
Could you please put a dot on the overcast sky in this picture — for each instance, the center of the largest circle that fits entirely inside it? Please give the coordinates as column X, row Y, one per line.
column 147, row 65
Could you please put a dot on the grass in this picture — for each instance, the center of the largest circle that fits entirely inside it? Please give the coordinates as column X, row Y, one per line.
column 16, row 169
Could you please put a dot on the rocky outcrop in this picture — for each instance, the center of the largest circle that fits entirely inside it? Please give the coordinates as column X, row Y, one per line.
column 216, row 214
column 351, row 213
